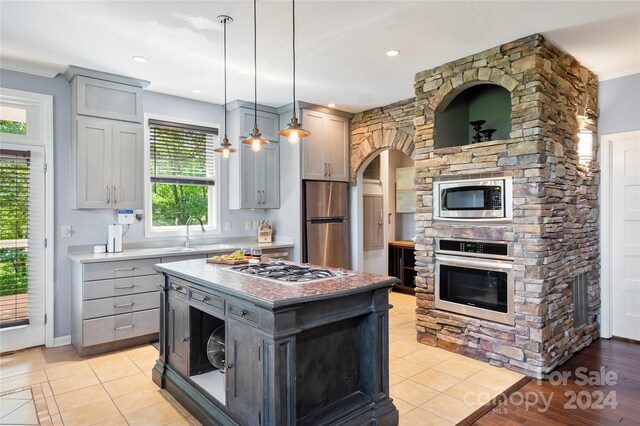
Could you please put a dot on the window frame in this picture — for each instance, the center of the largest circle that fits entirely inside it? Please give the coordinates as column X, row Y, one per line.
column 214, row 202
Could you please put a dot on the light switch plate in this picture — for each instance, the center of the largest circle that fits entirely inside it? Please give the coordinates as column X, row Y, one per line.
column 256, row 224
column 67, row 231
column 247, row 225
column 227, row 226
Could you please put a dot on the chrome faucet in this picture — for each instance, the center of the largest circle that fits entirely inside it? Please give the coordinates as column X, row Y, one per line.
column 191, row 219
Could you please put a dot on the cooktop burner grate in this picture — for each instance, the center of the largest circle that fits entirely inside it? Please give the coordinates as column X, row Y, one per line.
column 286, row 272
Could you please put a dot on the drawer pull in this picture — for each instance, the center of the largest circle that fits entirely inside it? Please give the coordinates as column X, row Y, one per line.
column 205, row 299
column 124, row 269
column 178, row 288
column 124, row 287
column 243, row 312
column 126, row 305
column 185, row 339
column 124, row 326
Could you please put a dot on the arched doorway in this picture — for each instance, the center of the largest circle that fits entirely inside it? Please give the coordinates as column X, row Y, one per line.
column 374, row 203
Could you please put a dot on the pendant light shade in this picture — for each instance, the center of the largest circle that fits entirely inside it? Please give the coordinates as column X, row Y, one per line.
column 225, row 147
column 255, row 138
column 294, row 130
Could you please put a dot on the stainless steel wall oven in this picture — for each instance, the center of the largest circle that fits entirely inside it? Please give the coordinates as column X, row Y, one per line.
column 475, row 278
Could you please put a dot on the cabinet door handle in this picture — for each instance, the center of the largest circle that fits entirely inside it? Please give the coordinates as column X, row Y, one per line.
column 380, row 219
column 124, row 287
column 108, row 189
column 330, row 166
column 124, row 269
column 264, row 197
column 124, row 326
column 125, row 305
column 185, row 339
column 115, row 194
column 326, row 169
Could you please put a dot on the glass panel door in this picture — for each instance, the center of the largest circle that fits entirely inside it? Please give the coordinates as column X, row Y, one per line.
column 22, row 246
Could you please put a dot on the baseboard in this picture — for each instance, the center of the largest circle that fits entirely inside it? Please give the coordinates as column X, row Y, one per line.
column 62, row 341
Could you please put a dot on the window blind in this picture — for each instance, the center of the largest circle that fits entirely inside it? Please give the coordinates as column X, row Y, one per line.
column 182, row 154
column 14, row 237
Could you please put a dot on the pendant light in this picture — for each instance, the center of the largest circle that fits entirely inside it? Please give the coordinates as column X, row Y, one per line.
column 225, row 146
column 255, row 138
column 294, row 131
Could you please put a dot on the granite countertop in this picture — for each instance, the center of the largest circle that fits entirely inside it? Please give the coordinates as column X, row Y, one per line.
column 268, row 293
column 150, row 252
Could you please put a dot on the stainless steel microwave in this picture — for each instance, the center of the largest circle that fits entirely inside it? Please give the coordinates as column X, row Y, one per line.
column 473, row 199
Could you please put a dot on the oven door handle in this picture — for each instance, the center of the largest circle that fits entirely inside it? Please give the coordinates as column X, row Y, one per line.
column 477, row 263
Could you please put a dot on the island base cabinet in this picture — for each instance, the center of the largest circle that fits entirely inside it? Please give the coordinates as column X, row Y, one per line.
column 324, row 362
column 244, row 372
column 178, row 334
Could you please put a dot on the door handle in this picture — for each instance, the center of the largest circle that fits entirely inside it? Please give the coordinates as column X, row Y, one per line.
column 108, row 188
column 115, row 194
column 389, row 218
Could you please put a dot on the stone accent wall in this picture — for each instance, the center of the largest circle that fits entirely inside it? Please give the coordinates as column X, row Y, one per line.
column 555, row 229
column 380, row 128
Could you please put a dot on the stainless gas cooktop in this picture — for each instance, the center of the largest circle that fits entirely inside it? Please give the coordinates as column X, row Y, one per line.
column 287, row 272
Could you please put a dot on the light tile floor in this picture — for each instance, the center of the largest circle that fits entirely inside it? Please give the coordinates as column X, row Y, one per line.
column 430, row 386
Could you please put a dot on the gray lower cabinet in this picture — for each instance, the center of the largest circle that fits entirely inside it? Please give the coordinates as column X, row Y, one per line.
column 178, row 332
column 114, row 304
column 244, row 384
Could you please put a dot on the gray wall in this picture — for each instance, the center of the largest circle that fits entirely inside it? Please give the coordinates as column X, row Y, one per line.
column 619, row 105
column 90, row 225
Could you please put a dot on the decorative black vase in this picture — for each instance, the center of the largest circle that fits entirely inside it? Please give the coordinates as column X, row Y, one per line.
column 487, row 134
column 477, row 125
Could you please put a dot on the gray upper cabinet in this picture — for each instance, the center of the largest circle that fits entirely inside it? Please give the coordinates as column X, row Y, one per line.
column 106, row 99
column 254, row 177
column 107, row 139
column 108, row 164
column 326, row 151
column 267, row 123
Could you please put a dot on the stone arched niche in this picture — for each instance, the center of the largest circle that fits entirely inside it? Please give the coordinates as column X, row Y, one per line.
column 365, row 147
column 479, row 100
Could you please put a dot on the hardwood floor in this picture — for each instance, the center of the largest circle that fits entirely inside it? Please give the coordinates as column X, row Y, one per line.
column 574, row 402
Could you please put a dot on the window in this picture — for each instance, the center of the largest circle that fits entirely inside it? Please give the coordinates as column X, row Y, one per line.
column 181, row 176
column 13, row 120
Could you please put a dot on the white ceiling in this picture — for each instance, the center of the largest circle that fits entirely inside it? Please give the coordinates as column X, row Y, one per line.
column 341, row 44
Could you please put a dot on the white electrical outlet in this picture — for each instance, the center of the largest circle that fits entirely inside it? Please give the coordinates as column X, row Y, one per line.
column 67, row 231
column 256, row 224
column 227, row 226
column 247, row 225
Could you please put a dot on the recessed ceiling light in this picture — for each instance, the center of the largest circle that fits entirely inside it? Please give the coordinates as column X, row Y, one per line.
column 140, row 59
column 393, row 52
column 331, row 105
column 197, row 91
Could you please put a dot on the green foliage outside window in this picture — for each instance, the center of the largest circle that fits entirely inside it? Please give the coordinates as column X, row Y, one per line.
column 174, row 204
column 13, row 127
column 14, row 220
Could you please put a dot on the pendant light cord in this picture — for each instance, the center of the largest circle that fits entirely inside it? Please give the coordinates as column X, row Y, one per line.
column 225, row 77
column 293, row 20
column 255, row 66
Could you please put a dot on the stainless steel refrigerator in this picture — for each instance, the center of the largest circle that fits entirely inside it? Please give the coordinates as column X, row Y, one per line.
column 326, row 226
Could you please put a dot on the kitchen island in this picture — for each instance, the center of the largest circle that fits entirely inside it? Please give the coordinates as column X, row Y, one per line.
column 304, row 353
